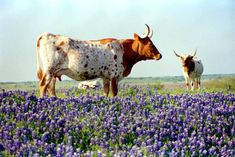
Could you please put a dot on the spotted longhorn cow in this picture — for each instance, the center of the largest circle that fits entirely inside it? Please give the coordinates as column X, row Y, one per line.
column 192, row 69
column 110, row 59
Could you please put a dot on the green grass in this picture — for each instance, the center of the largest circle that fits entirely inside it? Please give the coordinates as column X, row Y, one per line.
column 226, row 83
column 219, row 83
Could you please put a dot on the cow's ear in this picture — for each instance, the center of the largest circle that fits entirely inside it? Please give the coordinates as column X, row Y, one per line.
column 136, row 36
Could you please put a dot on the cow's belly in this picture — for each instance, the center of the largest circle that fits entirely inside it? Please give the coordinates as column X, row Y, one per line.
column 194, row 75
column 86, row 67
column 79, row 76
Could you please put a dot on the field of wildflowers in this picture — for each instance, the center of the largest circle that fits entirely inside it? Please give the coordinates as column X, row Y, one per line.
column 139, row 122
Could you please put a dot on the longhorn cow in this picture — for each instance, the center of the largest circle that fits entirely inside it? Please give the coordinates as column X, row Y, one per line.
column 110, row 59
column 192, row 69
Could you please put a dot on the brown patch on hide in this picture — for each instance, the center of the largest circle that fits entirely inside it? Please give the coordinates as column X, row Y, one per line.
column 58, row 49
column 105, row 41
column 38, row 42
column 62, row 43
column 40, row 74
column 115, row 57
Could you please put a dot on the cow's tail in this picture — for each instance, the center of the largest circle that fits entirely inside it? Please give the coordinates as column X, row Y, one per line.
column 39, row 69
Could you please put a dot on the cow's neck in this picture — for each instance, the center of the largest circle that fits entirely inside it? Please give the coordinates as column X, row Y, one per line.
column 189, row 67
column 130, row 56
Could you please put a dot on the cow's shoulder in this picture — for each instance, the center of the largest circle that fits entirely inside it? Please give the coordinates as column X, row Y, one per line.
column 109, row 43
column 116, row 45
column 198, row 60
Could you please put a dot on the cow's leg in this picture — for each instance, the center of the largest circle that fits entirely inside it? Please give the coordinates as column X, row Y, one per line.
column 192, row 84
column 114, row 83
column 42, row 85
column 187, row 82
column 45, row 81
column 51, row 87
column 196, row 83
column 199, row 83
column 106, row 84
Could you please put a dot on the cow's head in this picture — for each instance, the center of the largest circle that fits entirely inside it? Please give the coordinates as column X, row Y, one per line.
column 145, row 47
column 186, row 59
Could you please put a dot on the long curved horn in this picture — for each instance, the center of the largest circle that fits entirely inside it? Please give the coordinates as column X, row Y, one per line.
column 146, row 34
column 176, row 54
column 195, row 53
column 150, row 31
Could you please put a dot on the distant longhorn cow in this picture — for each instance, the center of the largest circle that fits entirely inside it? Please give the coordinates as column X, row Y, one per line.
column 192, row 69
column 110, row 59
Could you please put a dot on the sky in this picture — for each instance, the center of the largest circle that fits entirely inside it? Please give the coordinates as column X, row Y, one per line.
column 180, row 25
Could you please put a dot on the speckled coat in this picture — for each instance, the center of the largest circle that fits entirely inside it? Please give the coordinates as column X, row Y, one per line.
column 85, row 60
column 80, row 60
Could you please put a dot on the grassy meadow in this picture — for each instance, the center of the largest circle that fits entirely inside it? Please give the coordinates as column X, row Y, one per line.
column 168, row 84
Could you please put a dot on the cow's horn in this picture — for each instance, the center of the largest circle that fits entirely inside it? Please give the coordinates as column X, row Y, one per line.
column 176, row 54
column 195, row 53
column 146, row 34
column 150, row 32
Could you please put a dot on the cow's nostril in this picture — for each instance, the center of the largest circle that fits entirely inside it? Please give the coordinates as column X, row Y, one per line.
column 159, row 56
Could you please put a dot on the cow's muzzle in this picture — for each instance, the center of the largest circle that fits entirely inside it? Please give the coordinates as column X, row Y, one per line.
column 157, row 57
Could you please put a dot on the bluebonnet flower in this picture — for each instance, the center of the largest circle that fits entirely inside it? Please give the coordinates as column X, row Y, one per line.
column 45, row 136
column 146, row 124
